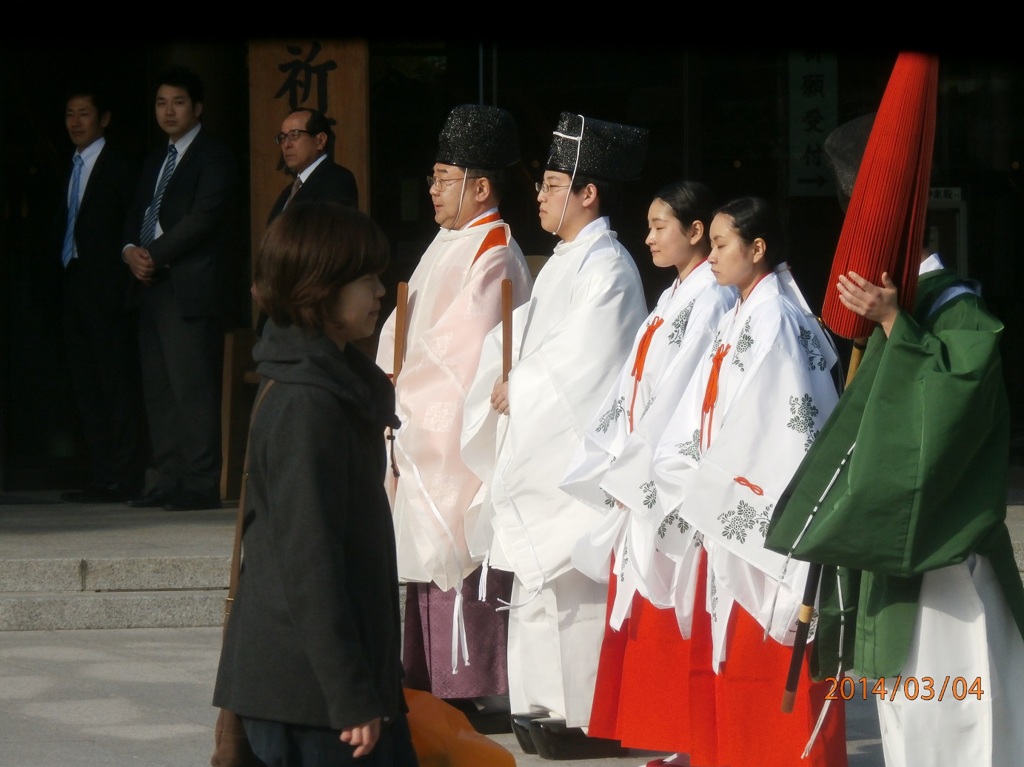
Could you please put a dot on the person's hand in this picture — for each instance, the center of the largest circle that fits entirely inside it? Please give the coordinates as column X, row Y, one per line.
column 499, row 397
column 874, row 302
column 140, row 262
column 362, row 737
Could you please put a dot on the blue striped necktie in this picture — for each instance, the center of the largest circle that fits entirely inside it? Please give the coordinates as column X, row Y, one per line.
column 153, row 212
column 68, row 252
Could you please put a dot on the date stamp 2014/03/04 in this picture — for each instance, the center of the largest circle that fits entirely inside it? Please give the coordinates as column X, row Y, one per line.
column 911, row 687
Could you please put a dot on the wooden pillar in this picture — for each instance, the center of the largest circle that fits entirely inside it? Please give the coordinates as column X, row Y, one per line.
column 333, row 77
column 329, row 75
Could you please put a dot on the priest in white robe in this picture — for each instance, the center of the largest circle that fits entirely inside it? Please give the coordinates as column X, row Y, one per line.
column 569, row 342
column 454, row 640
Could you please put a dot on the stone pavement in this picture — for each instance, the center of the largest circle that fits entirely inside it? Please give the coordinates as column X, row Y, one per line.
column 110, row 633
column 116, row 697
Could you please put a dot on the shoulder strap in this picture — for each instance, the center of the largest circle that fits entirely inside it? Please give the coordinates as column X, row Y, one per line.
column 495, row 239
column 236, row 551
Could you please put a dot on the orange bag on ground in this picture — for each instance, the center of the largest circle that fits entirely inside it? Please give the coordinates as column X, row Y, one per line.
column 443, row 737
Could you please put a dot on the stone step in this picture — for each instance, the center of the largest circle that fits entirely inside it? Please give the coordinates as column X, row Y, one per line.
column 64, row 566
column 112, row 592
column 129, row 573
column 111, row 610
column 115, row 593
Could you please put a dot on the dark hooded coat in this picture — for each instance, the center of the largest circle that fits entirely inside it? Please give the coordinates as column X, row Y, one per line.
column 314, row 633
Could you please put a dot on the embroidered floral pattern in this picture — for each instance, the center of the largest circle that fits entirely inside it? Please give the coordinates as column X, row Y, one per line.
column 736, row 523
column 611, row 416
column 679, row 324
column 764, row 519
column 812, row 345
column 650, row 491
column 743, row 344
column 690, row 449
column 647, row 406
column 804, row 412
column 609, row 501
column 672, row 520
column 715, row 344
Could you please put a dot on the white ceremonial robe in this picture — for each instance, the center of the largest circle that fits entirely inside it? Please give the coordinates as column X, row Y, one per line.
column 717, row 477
column 966, row 664
column 569, row 341
column 454, row 301
column 666, row 351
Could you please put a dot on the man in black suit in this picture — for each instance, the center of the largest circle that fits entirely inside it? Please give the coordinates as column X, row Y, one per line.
column 306, row 142
column 99, row 332
column 178, row 234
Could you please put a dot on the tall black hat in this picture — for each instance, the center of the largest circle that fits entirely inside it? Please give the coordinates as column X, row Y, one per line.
column 588, row 147
column 478, row 136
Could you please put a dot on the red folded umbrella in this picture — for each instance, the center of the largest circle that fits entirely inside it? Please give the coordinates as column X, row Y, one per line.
column 882, row 232
column 884, row 223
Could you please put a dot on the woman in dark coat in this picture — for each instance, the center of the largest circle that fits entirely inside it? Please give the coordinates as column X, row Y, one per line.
column 311, row 657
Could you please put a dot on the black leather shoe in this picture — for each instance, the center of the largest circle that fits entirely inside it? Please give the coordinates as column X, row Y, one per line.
column 521, row 729
column 191, row 501
column 151, row 500
column 556, row 741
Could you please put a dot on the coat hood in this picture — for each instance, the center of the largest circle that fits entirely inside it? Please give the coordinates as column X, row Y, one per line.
column 295, row 355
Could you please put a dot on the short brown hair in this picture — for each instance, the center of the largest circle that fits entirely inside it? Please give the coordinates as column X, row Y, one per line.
column 308, row 254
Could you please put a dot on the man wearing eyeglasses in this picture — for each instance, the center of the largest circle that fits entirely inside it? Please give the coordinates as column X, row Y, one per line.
column 306, row 141
column 570, row 341
column 454, row 300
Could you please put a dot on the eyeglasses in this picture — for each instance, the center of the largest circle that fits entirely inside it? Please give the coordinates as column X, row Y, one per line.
column 292, row 135
column 444, row 183
column 546, row 188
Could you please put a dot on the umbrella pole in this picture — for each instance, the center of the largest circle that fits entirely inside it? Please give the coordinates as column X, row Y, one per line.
column 803, row 625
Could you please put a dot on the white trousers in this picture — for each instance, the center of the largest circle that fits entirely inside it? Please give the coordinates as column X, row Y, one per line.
column 965, row 638
column 554, row 644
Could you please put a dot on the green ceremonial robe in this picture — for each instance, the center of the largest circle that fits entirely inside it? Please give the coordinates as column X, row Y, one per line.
column 924, row 487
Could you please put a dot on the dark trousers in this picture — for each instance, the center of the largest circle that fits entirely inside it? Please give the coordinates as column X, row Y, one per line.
column 182, row 365
column 103, row 361
column 288, row 745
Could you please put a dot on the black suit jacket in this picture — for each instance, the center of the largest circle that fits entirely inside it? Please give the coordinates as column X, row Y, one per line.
column 196, row 216
column 330, row 182
column 98, row 279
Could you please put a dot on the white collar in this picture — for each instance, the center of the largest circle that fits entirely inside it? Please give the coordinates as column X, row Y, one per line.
column 312, row 167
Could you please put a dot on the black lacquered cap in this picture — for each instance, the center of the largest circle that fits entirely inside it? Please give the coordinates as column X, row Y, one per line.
column 606, row 150
column 478, row 136
column 844, row 149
